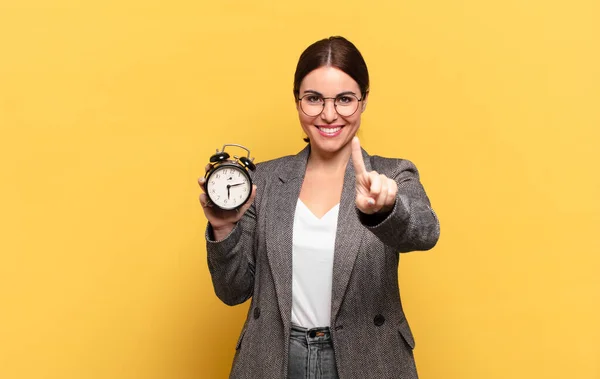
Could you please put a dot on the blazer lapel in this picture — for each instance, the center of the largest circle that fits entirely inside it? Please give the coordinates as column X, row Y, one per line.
column 280, row 225
column 348, row 237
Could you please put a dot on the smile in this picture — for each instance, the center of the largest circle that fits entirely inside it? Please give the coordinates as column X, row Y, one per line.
column 329, row 131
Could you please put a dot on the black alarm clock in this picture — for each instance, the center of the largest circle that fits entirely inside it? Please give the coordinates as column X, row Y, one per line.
column 228, row 184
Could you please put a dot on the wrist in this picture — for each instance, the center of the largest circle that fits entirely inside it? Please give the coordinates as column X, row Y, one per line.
column 219, row 233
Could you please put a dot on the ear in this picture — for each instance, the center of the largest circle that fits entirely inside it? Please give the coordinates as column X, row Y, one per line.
column 296, row 102
column 364, row 102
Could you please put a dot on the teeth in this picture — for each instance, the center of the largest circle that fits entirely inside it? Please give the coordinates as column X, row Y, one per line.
column 330, row 130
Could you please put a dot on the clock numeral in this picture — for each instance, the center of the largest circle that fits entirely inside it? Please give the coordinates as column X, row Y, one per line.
column 212, row 182
column 225, row 201
column 218, row 176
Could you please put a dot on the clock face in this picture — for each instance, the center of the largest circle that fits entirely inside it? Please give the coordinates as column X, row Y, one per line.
column 228, row 186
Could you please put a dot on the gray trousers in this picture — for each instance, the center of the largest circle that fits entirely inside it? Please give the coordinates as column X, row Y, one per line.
column 311, row 354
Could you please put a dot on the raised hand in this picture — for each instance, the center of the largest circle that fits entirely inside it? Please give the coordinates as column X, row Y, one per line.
column 375, row 193
column 222, row 221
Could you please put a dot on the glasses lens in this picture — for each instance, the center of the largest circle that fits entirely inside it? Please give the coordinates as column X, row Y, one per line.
column 312, row 105
column 346, row 105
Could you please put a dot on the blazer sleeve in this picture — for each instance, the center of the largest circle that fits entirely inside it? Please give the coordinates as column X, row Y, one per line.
column 231, row 261
column 412, row 224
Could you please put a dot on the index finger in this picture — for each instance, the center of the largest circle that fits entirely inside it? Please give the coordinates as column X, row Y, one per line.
column 357, row 158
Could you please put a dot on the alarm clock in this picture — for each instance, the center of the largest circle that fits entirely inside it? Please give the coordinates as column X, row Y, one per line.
column 228, row 184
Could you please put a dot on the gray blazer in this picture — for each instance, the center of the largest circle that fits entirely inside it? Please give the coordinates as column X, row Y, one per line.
column 371, row 336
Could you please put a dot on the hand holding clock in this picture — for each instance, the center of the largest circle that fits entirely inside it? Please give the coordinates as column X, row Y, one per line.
column 222, row 221
column 375, row 193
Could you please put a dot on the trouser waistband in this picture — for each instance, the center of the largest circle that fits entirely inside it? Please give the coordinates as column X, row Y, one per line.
column 321, row 334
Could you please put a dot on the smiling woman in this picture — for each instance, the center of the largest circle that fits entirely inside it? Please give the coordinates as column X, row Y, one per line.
column 334, row 52
column 320, row 227
column 330, row 125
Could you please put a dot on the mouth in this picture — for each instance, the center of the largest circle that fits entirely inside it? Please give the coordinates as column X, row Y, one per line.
column 330, row 130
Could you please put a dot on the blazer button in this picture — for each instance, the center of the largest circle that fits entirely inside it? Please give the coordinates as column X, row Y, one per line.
column 379, row 320
column 256, row 312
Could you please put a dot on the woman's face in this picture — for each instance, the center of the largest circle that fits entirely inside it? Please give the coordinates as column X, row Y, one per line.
column 329, row 132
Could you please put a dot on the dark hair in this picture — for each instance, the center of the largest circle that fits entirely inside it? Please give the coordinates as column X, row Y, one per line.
column 336, row 52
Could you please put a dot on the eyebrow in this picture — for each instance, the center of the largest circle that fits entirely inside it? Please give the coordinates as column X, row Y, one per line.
column 320, row 94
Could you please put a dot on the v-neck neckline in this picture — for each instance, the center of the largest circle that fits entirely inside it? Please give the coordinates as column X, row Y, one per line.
column 334, row 208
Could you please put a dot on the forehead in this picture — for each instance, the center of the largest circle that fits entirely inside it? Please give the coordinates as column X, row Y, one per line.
column 328, row 80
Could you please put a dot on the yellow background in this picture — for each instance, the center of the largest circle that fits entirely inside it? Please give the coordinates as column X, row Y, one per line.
column 109, row 111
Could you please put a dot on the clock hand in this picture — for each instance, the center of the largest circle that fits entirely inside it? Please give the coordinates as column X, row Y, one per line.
column 228, row 187
column 237, row 184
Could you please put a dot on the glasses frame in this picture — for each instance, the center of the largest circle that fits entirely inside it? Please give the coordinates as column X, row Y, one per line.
column 299, row 99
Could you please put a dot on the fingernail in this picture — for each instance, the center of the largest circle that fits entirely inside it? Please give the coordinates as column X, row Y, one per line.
column 371, row 202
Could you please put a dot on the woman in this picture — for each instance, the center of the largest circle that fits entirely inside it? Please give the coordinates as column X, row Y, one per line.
column 316, row 247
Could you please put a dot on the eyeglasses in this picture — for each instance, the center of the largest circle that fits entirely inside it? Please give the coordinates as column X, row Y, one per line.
column 312, row 104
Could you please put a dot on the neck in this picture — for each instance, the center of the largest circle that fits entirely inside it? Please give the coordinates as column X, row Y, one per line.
column 330, row 162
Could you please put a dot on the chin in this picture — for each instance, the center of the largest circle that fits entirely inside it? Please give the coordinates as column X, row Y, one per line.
column 328, row 145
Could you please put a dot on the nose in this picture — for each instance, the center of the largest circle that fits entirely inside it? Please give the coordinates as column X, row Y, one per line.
column 329, row 113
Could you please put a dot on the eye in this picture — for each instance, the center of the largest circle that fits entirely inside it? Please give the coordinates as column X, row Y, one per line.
column 344, row 99
column 313, row 99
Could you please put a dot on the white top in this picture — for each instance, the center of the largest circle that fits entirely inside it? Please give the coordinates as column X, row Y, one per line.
column 312, row 263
